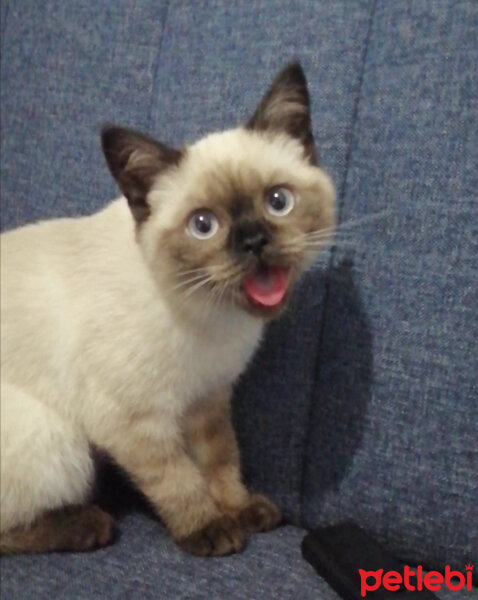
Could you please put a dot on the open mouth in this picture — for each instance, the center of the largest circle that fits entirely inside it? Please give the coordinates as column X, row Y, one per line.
column 266, row 286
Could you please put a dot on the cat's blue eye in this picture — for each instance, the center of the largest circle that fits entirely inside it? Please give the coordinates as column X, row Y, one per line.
column 280, row 201
column 203, row 224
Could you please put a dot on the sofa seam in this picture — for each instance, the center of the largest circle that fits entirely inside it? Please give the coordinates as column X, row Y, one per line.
column 330, row 262
column 156, row 64
column 355, row 109
column 4, row 24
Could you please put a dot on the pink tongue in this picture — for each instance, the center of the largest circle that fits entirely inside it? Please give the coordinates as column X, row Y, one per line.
column 267, row 286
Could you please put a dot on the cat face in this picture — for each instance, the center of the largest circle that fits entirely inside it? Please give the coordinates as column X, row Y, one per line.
column 233, row 219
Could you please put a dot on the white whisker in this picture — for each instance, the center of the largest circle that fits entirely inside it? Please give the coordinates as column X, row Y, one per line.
column 341, row 228
column 365, row 219
column 197, row 286
column 322, row 243
column 190, row 271
column 187, row 282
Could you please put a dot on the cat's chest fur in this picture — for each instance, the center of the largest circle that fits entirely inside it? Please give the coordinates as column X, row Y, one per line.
column 156, row 361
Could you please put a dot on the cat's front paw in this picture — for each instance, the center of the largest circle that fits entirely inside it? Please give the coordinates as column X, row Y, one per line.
column 260, row 514
column 219, row 537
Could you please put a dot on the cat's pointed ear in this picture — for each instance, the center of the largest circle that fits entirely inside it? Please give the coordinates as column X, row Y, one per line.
column 286, row 108
column 135, row 160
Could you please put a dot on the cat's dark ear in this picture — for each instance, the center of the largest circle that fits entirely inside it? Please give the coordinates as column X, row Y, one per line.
column 135, row 160
column 286, row 108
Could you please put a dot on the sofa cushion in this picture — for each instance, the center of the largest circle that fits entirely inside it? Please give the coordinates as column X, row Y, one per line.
column 145, row 564
column 393, row 442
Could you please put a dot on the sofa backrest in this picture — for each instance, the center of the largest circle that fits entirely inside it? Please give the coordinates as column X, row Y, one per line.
column 362, row 401
column 394, row 435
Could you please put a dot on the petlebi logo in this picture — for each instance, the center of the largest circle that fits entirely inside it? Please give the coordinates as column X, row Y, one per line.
column 415, row 580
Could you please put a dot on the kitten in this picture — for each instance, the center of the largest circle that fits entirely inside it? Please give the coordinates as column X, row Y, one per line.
column 125, row 330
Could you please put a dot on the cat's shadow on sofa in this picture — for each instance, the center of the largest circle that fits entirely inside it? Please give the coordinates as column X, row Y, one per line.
column 336, row 393
column 342, row 392
column 300, row 408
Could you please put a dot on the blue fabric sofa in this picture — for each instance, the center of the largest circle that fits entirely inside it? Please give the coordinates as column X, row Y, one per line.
column 363, row 401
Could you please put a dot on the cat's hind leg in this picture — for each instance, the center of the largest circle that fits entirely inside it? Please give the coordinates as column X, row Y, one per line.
column 73, row 528
column 46, row 473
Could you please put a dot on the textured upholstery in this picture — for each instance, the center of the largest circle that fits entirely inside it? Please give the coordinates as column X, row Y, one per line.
column 393, row 440
column 67, row 67
column 362, row 401
column 146, row 564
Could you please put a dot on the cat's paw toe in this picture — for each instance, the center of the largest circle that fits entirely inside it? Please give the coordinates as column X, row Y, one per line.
column 260, row 514
column 92, row 528
column 219, row 537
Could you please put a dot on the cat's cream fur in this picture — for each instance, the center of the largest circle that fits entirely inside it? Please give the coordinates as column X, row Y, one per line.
column 99, row 349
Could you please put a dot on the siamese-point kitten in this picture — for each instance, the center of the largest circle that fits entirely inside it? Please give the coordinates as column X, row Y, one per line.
column 125, row 330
